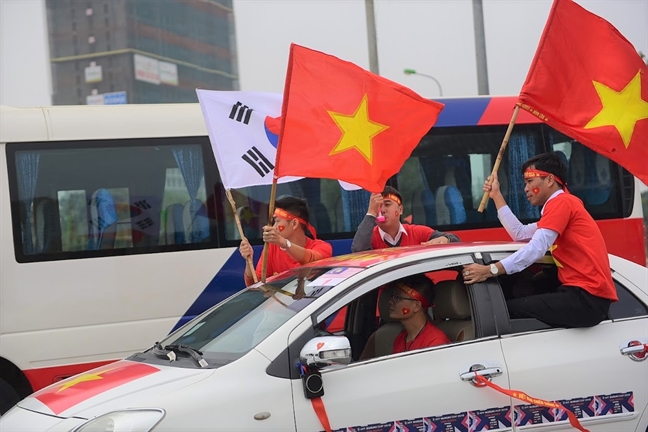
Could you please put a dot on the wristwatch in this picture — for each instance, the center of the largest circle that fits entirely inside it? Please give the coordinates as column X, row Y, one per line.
column 288, row 244
column 494, row 270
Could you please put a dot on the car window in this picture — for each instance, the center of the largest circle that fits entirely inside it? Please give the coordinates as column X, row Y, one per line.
column 539, row 278
column 372, row 331
column 542, row 277
column 628, row 305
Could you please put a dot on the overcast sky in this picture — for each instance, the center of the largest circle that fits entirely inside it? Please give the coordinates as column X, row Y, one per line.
column 432, row 36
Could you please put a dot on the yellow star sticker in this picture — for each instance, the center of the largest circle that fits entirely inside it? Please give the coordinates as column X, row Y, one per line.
column 551, row 249
column 357, row 131
column 620, row 109
column 82, row 378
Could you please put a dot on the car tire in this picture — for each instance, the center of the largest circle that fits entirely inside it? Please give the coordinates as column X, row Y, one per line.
column 8, row 397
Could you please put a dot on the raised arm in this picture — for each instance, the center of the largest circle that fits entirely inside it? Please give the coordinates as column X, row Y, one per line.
column 362, row 237
column 512, row 225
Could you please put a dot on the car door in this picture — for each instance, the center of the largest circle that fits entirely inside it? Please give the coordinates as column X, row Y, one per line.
column 419, row 390
column 589, row 370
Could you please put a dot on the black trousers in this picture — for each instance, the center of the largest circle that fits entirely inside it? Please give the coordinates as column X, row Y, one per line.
column 567, row 307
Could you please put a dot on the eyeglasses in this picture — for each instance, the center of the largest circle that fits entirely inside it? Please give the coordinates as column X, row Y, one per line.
column 396, row 298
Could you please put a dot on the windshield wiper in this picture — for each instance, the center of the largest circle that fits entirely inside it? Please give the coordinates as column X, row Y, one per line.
column 159, row 351
column 169, row 352
column 193, row 353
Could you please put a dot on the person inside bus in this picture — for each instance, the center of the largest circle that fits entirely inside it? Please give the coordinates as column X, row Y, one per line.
column 412, row 297
column 382, row 227
column 567, row 230
column 288, row 245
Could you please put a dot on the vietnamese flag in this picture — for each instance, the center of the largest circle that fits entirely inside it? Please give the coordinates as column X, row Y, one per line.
column 72, row 391
column 342, row 122
column 588, row 82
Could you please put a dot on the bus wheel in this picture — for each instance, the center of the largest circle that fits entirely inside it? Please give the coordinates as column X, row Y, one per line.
column 8, row 397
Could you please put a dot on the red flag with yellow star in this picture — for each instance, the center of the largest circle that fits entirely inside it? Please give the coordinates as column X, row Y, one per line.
column 588, row 82
column 342, row 122
column 66, row 394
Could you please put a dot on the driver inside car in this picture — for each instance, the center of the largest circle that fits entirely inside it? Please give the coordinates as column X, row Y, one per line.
column 411, row 298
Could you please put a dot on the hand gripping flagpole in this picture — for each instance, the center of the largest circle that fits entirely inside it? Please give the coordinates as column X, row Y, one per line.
column 500, row 155
column 271, row 207
column 248, row 261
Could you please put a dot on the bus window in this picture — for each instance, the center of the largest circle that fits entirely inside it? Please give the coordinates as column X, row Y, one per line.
column 452, row 165
column 73, row 199
column 591, row 177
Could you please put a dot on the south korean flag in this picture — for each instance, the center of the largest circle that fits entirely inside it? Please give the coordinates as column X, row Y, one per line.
column 243, row 128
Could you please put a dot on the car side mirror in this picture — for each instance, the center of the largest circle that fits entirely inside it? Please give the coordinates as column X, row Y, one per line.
column 326, row 351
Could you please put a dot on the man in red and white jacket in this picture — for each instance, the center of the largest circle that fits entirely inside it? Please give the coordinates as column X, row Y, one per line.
column 382, row 228
column 567, row 230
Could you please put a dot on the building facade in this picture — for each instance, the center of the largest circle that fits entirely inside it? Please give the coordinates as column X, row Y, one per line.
column 140, row 51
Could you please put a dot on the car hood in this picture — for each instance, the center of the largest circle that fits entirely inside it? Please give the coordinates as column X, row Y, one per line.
column 113, row 386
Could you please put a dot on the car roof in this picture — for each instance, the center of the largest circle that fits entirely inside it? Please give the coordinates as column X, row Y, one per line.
column 374, row 257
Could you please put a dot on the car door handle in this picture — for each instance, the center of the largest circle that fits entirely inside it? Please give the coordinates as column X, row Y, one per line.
column 636, row 350
column 486, row 369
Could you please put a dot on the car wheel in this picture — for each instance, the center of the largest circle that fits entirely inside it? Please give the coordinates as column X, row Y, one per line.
column 8, row 397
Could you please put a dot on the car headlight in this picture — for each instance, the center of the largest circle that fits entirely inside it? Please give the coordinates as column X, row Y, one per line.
column 136, row 420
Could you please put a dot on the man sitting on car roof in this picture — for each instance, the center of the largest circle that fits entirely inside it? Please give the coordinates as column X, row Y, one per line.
column 567, row 230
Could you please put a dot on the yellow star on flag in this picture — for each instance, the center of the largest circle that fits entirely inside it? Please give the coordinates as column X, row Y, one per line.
column 620, row 109
column 551, row 249
column 82, row 378
column 247, row 215
column 357, row 131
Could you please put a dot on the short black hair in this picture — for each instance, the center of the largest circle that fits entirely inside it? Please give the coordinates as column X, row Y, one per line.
column 549, row 162
column 295, row 206
column 391, row 190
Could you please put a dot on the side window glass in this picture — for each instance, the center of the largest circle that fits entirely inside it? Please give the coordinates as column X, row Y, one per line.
column 332, row 210
column 80, row 198
column 590, row 176
column 539, row 278
column 372, row 322
column 628, row 305
column 444, row 177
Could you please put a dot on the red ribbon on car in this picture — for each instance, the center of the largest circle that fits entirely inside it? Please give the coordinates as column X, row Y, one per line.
column 318, row 407
column 573, row 420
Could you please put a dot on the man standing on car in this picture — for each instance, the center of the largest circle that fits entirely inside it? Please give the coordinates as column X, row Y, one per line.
column 382, row 228
column 567, row 230
column 288, row 245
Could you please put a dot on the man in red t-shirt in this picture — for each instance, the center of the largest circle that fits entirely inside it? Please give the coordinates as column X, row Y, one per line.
column 567, row 230
column 412, row 297
column 288, row 245
column 382, row 228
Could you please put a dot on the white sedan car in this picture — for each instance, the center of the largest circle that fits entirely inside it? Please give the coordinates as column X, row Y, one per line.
column 238, row 366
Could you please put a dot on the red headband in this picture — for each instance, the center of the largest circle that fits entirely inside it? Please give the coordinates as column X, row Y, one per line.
column 414, row 294
column 393, row 198
column 289, row 216
column 534, row 173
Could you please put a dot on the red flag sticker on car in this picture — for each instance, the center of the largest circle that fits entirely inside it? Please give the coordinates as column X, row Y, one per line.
column 74, row 390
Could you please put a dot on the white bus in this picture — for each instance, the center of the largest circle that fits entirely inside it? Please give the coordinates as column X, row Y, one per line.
column 114, row 227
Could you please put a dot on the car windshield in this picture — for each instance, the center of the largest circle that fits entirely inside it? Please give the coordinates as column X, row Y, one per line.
column 231, row 329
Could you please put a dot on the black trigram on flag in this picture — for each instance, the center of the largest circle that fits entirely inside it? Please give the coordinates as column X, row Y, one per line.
column 145, row 223
column 241, row 113
column 258, row 161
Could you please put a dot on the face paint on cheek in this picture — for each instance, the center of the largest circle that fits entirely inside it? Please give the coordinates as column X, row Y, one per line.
column 405, row 311
column 535, row 190
column 281, row 228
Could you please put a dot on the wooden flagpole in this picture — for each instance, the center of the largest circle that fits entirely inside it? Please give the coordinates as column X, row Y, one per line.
column 248, row 261
column 500, row 155
column 271, row 208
